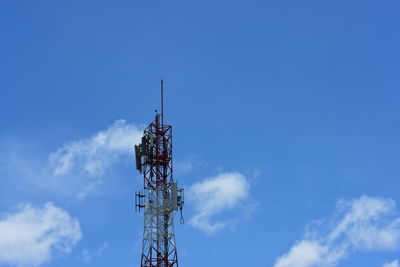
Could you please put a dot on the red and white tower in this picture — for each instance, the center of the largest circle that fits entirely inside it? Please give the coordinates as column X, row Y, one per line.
column 160, row 197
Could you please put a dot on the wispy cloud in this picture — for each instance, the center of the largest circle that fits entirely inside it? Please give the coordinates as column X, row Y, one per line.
column 394, row 263
column 188, row 164
column 95, row 154
column 215, row 195
column 30, row 236
column 87, row 256
column 363, row 224
column 101, row 249
column 88, row 189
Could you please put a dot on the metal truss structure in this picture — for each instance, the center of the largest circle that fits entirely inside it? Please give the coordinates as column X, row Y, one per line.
column 160, row 196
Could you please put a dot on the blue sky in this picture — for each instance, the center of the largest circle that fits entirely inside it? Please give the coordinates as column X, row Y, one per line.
column 287, row 110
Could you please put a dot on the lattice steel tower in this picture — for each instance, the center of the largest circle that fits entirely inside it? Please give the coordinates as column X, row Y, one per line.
column 160, row 197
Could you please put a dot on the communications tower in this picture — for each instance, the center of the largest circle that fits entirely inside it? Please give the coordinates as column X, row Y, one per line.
column 160, row 197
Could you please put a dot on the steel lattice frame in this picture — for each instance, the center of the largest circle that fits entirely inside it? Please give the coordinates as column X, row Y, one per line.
column 159, row 247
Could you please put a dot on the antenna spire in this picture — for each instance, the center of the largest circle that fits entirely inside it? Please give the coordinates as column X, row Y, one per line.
column 162, row 102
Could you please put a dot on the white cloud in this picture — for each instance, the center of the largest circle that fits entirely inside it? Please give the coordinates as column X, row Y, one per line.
column 30, row 236
column 214, row 195
column 394, row 263
column 304, row 253
column 363, row 224
column 95, row 154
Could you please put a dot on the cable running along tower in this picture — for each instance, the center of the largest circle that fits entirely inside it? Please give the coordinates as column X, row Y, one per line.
column 160, row 197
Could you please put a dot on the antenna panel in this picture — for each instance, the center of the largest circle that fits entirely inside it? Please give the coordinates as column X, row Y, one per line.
column 174, row 197
column 138, row 159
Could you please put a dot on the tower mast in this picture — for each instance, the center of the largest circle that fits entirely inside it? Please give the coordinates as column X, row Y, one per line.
column 162, row 102
column 160, row 196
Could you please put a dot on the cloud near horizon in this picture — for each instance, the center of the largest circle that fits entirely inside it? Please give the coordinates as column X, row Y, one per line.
column 394, row 263
column 30, row 236
column 215, row 195
column 363, row 224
